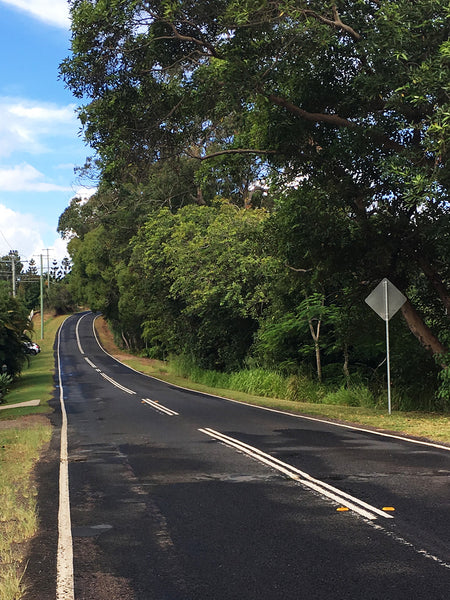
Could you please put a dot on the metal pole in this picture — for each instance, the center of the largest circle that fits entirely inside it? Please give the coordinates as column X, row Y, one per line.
column 13, row 269
column 386, row 300
column 48, row 265
column 42, row 298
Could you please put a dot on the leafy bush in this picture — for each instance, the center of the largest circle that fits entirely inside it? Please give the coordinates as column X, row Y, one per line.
column 5, row 381
column 443, row 393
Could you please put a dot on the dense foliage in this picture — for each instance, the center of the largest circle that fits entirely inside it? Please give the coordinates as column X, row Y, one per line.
column 261, row 167
column 14, row 325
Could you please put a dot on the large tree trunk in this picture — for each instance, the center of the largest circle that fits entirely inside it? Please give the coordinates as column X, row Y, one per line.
column 315, row 336
column 436, row 281
column 422, row 332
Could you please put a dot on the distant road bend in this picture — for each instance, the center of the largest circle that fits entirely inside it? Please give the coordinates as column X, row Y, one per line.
column 171, row 494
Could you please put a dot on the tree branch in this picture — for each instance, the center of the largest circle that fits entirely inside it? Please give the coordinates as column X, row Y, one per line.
column 335, row 120
column 297, row 270
column 230, row 151
column 188, row 38
column 337, row 23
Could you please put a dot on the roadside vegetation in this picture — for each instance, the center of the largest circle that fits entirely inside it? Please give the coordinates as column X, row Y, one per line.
column 261, row 167
column 24, row 434
column 310, row 399
column 20, row 448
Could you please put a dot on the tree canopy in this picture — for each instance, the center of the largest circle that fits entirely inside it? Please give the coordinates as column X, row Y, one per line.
column 14, row 325
column 334, row 116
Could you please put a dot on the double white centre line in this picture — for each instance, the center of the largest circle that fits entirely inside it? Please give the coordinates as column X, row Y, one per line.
column 160, row 407
column 114, row 382
column 362, row 508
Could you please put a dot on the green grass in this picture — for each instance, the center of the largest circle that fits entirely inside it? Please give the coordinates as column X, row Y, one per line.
column 21, row 443
column 19, row 450
column 36, row 381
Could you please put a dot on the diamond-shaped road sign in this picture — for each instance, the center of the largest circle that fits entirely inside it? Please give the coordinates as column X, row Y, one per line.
column 386, row 299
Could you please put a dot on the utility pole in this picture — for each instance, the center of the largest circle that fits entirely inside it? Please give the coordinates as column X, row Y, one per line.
column 42, row 298
column 14, row 256
column 48, row 264
column 13, row 270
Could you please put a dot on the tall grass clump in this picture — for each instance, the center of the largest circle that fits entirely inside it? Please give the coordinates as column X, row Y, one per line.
column 259, row 382
column 256, row 381
column 301, row 388
column 353, row 395
column 18, row 513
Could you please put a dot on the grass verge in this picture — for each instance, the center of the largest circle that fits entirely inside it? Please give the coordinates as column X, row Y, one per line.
column 431, row 426
column 24, row 433
column 19, row 450
column 36, row 381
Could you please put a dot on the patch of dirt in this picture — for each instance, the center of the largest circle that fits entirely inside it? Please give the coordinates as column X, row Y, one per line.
column 107, row 341
column 24, row 422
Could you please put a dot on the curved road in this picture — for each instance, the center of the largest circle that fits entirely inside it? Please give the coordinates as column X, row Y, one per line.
column 176, row 495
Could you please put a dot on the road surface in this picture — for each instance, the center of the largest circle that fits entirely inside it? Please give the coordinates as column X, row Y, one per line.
column 177, row 495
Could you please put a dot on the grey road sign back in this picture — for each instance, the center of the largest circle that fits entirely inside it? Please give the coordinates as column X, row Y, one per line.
column 377, row 299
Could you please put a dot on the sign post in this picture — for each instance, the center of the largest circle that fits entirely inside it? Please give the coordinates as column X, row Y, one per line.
column 386, row 300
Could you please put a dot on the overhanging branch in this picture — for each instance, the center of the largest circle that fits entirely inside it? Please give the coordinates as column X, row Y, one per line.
column 230, row 151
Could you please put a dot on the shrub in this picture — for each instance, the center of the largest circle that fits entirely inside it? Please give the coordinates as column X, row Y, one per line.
column 443, row 393
column 259, row 382
column 301, row 388
column 5, row 381
column 358, row 395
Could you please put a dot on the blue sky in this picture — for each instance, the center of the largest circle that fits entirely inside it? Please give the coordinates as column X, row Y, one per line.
column 39, row 132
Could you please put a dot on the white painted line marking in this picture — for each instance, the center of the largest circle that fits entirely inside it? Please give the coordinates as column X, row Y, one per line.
column 313, row 480
column 77, row 334
column 359, row 506
column 157, row 406
column 274, row 410
column 64, row 562
column 90, row 363
column 121, row 387
column 404, row 542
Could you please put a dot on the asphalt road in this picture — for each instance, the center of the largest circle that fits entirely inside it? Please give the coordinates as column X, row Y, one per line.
column 176, row 495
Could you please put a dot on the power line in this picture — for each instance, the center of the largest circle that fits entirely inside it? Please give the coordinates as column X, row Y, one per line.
column 3, row 236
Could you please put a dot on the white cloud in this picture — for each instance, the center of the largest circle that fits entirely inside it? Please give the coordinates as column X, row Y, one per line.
column 59, row 250
column 25, row 178
column 85, row 193
column 25, row 125
column 21, row 232
column 53, row 12
column 18, row 232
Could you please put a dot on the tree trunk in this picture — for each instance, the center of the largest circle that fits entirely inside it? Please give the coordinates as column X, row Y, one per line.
column 346, row 361
column 434, row 278
column 422, row 332
column 315, row 336
column 318, row 362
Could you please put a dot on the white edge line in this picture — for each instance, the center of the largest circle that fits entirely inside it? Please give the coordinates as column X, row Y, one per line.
column 318, row 486
column 64, row 569
column 274, row 410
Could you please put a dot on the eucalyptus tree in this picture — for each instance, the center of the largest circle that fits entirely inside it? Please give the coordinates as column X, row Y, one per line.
column 204, row 281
